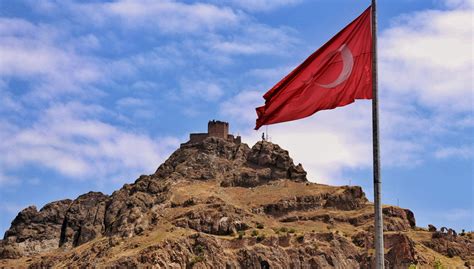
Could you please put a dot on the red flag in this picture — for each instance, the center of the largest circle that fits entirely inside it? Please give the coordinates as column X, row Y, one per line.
column 335, row 75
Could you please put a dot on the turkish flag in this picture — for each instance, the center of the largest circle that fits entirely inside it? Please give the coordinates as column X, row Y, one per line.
column 335, row 75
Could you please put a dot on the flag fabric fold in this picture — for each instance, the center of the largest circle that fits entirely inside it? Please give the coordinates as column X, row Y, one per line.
column 335, row 75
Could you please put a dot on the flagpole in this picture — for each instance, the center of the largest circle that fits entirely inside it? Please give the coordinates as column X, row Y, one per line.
column 379, row 246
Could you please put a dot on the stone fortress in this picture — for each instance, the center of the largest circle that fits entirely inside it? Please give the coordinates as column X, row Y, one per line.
column 215, row 128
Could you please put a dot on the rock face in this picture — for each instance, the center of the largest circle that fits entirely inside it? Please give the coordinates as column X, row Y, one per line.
column 84, row 219
column 221, row 204
column 451, row 244
column 34, row 231
column 231, row 163
column 216, row 219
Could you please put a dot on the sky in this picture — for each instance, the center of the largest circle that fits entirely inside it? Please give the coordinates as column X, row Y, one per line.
column 95, row 93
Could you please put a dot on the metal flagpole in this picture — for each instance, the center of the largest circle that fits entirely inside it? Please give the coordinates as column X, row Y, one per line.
column 379, row 246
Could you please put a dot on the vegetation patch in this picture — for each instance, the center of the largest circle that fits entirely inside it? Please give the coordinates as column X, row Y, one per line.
column 260, row 238
column 241, row 234
column 196, row 259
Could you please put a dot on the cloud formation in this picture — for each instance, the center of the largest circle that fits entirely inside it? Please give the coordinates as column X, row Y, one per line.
column 40, row 52
column 70, row 139
column 428, row 56
column 168, row 15
column 262, row 5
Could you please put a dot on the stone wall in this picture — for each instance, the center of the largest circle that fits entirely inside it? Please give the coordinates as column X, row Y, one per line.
column 236, row 139
column 197, row 138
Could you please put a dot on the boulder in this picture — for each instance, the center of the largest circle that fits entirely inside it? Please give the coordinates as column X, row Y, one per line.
column 431, row 228
column 401, row 250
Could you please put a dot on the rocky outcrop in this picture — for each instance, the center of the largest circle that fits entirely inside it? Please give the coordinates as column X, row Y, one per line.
column 213, row 158
column 133, row 209
column 215, row 219
column 398, row 219
column 268, row 155
column 33, row 231
column 234, row 164
column 350, row 198
column 401, row 252
column 451, row 244
column 84, row 219
column 265, row 162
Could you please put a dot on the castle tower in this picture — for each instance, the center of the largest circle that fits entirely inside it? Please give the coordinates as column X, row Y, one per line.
column 218, row 129
column 215, row 128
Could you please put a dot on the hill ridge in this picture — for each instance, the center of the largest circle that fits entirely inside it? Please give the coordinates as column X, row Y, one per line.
column 217, row 203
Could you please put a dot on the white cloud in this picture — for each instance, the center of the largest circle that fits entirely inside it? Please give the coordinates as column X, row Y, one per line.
column 206, row 90
column 159, row 58
column 144, row 85
column 270, row 74
column 427, row 56
column 39, row 52
column 328, row 142
column 167, row 15
column 263, row 5
column 69, row 139
column 255, row 39
column 68, row 68
column 459, row 3
column 136, row 107
column 450, row 152
column 241, row 106
column 131, row 102
column 7, row 180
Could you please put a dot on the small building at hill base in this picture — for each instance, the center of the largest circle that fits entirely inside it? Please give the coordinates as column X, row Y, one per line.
column 215, row 128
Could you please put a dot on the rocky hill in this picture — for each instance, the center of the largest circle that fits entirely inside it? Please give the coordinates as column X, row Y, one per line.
column 218, row 203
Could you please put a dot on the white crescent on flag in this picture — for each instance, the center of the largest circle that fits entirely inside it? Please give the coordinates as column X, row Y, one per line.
column 348, row 63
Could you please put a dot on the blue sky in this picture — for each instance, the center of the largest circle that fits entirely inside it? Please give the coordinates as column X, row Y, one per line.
column 93, row 94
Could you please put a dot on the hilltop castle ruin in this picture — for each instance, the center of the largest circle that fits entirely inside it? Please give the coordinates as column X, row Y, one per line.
column 215, row 128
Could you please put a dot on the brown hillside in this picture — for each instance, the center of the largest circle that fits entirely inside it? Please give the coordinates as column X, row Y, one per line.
column 217, row 203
